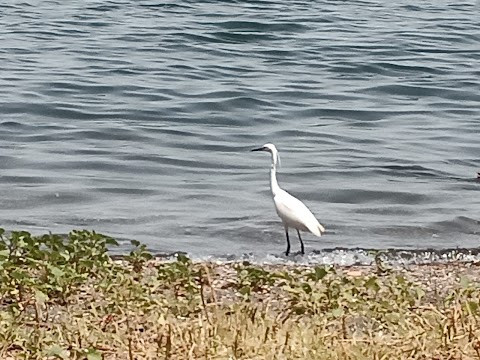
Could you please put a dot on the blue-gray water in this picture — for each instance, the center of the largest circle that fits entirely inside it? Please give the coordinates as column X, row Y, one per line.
column 135, row 118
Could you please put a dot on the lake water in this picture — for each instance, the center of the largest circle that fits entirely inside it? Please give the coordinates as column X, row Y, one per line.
column 135, row 119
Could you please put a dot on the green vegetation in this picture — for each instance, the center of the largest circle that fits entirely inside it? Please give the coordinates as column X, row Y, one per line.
column 66, row 298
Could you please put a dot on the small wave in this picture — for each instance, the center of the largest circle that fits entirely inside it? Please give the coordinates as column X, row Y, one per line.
column 261, row 26
column 347, row 257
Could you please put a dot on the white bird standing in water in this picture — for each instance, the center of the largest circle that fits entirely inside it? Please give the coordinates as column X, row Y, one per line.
column 292, row 211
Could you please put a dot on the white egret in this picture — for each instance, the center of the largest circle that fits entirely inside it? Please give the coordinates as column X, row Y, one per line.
column 292, row 211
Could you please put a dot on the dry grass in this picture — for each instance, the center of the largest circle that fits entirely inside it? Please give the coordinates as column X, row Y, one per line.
column 142, row 308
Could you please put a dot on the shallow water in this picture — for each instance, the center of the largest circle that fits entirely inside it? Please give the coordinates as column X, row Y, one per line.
column 135, row 118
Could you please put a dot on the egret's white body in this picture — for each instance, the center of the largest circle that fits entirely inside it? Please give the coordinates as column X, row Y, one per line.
column 292, row 211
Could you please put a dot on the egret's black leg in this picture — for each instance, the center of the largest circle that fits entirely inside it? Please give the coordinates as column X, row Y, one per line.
column 301, row 243
column 288, row 242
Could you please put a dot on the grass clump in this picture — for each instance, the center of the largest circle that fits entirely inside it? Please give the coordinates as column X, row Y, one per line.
column 67, row 298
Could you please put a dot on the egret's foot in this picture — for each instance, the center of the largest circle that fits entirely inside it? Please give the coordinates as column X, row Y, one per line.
column 293, row 254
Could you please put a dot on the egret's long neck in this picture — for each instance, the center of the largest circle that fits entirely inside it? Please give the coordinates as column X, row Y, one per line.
column 273, row 175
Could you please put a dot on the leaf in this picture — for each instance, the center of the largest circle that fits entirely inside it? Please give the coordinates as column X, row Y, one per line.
column 320, row 273
column 401, row 280
column 420, row 293
column 135, row 243
column 464, row 281
column 18, row 274
column 307, row 288
column 392, row 317
column 4, row 254
column 292, row 290
column 56, row 272
column 41, row 297
column 337, row 312
column 348, row 296
column 65, row 255
column 372, row 283
column 93, row 354
column 147, row 256
column 58, row 352
column 473, row 306
column 246, row 290
column 110, row 241
column 181, row 258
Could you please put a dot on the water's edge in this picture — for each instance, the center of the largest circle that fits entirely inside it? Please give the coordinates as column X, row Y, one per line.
column 339, row 256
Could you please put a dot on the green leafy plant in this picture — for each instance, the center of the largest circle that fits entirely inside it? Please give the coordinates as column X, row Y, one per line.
column 139, row 256
column 64, row 297
column 253, row 279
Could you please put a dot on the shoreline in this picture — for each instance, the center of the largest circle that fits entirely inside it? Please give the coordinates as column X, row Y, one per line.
column 339, row 256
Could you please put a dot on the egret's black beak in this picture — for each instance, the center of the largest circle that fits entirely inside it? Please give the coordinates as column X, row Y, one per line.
column 259, row 149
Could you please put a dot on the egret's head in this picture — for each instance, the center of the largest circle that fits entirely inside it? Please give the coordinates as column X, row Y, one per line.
column 267, row 147
column 272, row 150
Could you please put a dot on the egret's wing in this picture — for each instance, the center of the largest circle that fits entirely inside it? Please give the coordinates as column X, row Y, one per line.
column 294, row 211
